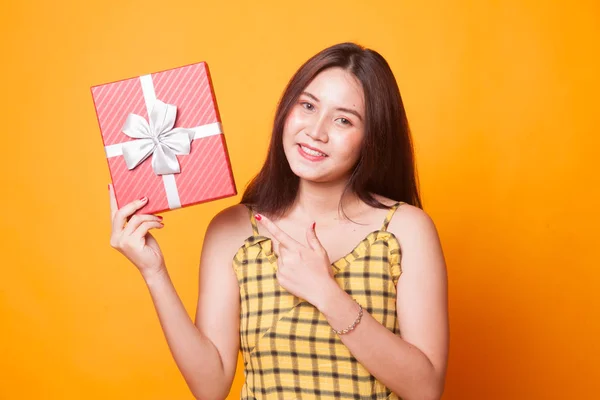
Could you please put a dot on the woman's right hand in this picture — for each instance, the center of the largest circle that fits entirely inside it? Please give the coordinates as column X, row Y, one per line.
column 131, row 237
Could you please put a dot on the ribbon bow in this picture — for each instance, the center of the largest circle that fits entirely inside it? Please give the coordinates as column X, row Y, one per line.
column 157, row 138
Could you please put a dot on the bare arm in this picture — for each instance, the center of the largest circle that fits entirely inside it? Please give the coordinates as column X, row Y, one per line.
column 414, row 365
column 195, row 354
column 206, row 351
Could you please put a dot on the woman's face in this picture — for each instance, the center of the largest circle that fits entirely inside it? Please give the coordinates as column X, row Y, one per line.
column 323, row 133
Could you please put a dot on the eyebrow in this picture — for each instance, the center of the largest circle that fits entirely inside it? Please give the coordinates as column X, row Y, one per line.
column 348, row 110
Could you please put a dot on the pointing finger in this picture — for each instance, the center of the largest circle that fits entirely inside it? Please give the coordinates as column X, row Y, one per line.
column 283, row 238
column 313, row 240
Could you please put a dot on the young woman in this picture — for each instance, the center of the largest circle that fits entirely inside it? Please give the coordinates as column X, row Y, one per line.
column 328, row 276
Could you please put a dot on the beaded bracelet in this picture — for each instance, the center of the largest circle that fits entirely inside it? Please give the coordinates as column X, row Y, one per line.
column 351, row 327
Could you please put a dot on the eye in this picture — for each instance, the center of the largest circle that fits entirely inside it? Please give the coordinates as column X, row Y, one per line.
column 307, row 105
column 345, row 121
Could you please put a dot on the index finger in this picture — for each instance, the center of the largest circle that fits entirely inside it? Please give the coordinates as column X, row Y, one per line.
column 283, row 238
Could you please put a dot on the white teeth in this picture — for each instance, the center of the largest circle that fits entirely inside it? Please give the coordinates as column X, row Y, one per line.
column 312, row 152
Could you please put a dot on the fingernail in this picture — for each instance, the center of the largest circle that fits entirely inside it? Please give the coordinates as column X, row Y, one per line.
column 143, row 199
column 109, row 186
column 258, row 217
column 159, row 217
column 314, row 223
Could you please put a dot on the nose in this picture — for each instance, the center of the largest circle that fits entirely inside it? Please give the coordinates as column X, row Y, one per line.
column 318, row 130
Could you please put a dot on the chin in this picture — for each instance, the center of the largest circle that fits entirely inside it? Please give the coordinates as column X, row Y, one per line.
column 315, row 175
column 312, row 176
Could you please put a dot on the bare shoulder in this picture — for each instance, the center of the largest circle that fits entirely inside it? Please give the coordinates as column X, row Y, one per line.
column 411, row 219
column 229, row 228
column 410, row 223
column 236, row 217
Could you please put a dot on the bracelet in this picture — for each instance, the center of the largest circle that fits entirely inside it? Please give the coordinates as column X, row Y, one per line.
column 351, row 327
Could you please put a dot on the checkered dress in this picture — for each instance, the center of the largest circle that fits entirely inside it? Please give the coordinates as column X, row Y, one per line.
column 289, row 349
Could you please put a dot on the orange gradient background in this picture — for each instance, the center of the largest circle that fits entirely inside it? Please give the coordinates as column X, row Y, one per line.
column 502, row 98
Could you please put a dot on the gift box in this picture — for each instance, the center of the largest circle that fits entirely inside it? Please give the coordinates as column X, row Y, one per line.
column 163, row 139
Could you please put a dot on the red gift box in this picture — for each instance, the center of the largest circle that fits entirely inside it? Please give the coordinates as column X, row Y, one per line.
column 163, row 139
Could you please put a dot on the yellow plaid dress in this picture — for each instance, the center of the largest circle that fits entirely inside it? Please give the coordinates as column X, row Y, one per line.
column 289, row 349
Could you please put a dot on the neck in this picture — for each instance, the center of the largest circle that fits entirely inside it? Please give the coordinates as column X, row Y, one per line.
column 320, row 202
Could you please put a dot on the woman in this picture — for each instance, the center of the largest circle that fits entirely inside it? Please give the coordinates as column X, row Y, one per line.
column 328, row 276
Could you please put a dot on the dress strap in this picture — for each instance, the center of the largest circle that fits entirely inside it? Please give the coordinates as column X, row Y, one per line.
column 253, row 221
column 389, row 215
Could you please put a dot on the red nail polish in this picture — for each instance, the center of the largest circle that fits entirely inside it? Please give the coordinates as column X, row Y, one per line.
column 109, row 186
column 258, row 217
column 159, row 217
column 314, row 223
column 143, row 198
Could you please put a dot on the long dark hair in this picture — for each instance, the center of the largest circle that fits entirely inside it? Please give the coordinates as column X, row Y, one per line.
column 386, row 164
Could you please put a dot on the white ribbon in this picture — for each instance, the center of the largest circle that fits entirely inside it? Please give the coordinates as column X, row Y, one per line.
column 159, row 139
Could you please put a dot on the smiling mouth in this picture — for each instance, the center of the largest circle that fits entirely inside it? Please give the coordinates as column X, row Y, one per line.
column 312, row 152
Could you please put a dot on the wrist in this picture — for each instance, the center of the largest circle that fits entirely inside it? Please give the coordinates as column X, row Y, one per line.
column 341, row 310
column 332, row 297
column 156, row 276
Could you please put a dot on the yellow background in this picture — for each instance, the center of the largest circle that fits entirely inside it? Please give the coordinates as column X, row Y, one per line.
column 502, row 97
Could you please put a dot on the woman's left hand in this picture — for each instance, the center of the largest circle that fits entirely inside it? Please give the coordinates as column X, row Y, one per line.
column 303, row 271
